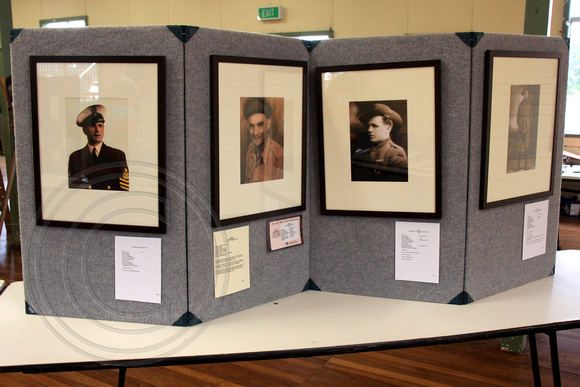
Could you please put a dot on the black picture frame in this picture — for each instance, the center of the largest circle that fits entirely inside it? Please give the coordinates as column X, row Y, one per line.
column 241, row 191
column 127, row 192
column 354, row 181
column 520, row 121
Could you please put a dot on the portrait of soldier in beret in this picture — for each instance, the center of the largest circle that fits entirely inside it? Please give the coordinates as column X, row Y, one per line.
column 379, row 141
column 263, row 156
column 97, row 166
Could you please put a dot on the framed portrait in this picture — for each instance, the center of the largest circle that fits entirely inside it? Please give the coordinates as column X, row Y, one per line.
column 380, row 139
column 99, row 141
column 258, row 138
column 519, row 126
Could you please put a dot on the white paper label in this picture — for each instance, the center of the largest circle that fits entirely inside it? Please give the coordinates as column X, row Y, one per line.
column 138, row 269
column 417, row 252
column 231, row 260
column 535, row 229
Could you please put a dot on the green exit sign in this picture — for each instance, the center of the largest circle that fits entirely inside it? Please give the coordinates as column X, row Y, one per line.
column 270, row 13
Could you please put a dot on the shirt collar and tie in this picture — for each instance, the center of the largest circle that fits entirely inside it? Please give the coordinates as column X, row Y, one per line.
column 95, row 150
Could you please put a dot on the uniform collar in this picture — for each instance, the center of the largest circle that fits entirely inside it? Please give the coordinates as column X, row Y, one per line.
column 380, row 144
column 97, row 147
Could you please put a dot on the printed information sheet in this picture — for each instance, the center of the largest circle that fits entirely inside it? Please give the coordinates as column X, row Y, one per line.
column 417, row 251
column 231, row 260
column 138, row 269
column 285, row 233
column 535, row 229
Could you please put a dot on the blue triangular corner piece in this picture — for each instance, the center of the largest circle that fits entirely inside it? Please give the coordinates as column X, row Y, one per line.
column 462, row 299
column 310, row 44
column 14, row 33
column 470, row 38
column 29, row 309
column 183, row 33
column 188, row 319
column 310, row 285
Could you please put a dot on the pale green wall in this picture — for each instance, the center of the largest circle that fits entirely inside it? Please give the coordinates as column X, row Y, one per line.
column 347, row 18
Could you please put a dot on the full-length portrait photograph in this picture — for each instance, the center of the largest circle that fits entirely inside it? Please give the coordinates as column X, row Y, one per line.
column 523, row 127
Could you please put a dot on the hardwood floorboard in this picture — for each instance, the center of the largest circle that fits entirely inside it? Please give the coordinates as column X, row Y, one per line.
column 479, row 363
column 569, row 232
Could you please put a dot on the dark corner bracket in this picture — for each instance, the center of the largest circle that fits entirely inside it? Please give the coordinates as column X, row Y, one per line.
column 14, row 33
column 553, row 271
column 470, row 38
column 311, row 45
column 461, row 299
column 183, row 33
column 188, row 319
column 310, row 285
column 29, row 309
column 567, row 41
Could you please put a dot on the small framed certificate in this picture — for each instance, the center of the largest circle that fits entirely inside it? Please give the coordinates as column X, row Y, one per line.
column 284, row 233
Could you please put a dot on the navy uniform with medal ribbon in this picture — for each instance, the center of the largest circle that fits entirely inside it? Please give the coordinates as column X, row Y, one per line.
column 97, row 166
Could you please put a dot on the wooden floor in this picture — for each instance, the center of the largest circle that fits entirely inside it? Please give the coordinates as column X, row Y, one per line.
column 480, row 363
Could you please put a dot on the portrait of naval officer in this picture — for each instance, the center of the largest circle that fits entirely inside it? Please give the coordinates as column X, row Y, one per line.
column 97, row 166
column 264, row 157
column 383, row 159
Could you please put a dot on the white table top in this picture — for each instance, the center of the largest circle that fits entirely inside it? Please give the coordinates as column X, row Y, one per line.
column 571, row 172
column 309, row 323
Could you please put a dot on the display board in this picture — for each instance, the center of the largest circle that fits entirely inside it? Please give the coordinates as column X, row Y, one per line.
column 211, row 263
column 70, row 271
column 495, row 236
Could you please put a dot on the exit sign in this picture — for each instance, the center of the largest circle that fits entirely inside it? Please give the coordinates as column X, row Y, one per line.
column 270, row 13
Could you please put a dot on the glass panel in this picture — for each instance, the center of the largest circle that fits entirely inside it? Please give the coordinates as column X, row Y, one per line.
column 572, row 123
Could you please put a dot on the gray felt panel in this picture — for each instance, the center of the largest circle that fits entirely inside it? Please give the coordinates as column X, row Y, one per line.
column 71, row 272
column 355, row 255
column 275, row 274
column 494, row 236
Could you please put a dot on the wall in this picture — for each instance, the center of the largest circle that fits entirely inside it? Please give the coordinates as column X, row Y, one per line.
column 557, row 17
column 347, row 18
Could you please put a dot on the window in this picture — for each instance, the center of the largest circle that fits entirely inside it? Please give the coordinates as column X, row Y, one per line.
column 309, row 35
column 572, row 123
column 65, row 22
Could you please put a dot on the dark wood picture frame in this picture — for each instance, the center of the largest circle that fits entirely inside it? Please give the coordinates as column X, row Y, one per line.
column 64, row 86
column 522, row 120
column 235, row 197
column 413, row 88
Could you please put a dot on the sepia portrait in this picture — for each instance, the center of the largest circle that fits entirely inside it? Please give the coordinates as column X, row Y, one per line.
column 523, row 127
column 261, row 139
column 378, row 138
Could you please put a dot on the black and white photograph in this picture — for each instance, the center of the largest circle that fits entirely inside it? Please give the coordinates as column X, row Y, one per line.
column 99, row 141
column 378, row 136
column 523, row 124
